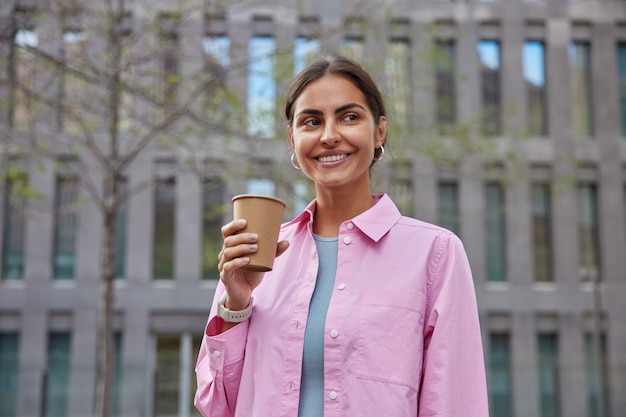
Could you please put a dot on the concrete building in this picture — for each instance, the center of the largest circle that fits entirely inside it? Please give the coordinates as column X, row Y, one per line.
column 538, row 196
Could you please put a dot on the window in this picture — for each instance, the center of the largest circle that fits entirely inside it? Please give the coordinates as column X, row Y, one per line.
column 9, row 360
column 448, row 209
column 262, row 186
column 597, row 392
column 57, row 375
column 117, row 375
column 22, row 69
column 489, row 57
column 402, row 186
column 74, row 87
column 121, row 230
column 13, row 225
column 445, row 68
column 542, row 232
column 213, row 209
column 580, row 84
column 175, row 385
column 398, row 70
column 304, row 53
column 65, row 226
column 500, row 396
column 535, row 82
column 547, row 344
column 261, row 86
column 588, row 233
column 216, row 63
column 621, row 71
column 164, row 228
column 170, row 58
column 495, row 232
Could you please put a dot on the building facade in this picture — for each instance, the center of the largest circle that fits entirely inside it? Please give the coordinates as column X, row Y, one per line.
column 536, row 190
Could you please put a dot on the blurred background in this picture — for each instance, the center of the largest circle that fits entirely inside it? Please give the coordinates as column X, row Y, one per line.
column 127, row 126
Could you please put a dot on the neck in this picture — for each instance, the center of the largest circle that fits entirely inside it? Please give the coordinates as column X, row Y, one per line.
column 336, row 206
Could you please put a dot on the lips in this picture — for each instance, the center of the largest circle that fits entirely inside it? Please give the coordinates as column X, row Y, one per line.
column 332, row 158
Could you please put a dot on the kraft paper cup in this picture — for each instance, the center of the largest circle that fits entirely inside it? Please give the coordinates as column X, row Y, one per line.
column 263, row 215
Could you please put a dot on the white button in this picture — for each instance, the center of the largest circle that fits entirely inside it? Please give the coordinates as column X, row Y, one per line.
column 334, row 333
column 346, row 240
column 341, row 286
column 332, row 395
column 216, row 353
column 350, row 226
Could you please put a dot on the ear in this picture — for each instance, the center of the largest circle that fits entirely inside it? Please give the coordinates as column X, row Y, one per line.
column 290, row 136
column 381, row 132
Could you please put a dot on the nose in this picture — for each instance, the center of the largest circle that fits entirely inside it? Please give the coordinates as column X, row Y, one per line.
column 330, row 135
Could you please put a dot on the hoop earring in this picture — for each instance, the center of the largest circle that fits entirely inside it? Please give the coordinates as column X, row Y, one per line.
column 294, row 161
column 382, row 152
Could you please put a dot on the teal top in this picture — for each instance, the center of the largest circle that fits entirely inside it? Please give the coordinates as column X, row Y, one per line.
column 312, row 383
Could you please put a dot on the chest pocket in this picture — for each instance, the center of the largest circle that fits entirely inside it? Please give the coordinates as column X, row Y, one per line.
column 390, row 340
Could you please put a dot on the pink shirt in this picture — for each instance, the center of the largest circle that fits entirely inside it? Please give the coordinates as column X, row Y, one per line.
column 402, row 331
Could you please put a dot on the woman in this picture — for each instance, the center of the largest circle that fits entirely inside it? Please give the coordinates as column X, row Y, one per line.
column 366, row 312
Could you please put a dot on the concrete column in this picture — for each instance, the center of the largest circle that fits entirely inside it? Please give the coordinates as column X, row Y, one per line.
column 188, row 238
column 573, row 375
column 140, row 221
column 137, row 380
column 84, row 361
column 524, row 365
column 32, row 367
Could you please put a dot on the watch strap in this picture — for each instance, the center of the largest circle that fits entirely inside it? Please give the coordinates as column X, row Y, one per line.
column 233, row 316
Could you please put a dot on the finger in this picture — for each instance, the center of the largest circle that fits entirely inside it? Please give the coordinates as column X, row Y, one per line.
column 282, row 247
column 240, row 239
column 233, row 227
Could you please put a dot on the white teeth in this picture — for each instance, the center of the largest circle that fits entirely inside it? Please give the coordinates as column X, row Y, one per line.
column 332, row 158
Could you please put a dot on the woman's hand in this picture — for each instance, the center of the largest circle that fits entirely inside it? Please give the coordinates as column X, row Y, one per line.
column 239, row 283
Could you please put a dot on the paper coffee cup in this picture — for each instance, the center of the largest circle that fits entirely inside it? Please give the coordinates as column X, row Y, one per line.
column 263, row 215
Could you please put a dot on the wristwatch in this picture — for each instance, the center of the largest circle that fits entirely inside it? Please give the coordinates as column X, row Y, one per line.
column 232, row 316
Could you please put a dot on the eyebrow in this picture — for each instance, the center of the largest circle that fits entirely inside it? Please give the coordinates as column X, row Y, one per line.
column 340, row 109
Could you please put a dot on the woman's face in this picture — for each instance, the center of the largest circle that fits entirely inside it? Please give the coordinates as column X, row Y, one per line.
column 334, row 133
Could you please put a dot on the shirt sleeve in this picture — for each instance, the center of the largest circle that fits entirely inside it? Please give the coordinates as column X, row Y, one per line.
column 219, row 367
column 454, row 382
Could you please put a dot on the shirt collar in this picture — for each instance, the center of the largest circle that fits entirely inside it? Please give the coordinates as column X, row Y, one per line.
column 374, row 222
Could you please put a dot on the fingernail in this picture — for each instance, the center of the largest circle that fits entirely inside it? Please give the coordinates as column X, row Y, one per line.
column 253, row 246
column 241, row 222
column 253, row 236
column 245, row 260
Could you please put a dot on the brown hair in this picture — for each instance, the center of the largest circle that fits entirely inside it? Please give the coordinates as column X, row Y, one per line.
column 342, row 66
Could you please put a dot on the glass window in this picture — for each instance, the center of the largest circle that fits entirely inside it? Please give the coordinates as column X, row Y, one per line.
column 56, row 389
column 621, row 71
column 164, row 229
column 217, row 49
column 398, row 70
column 448, row 209
column 445, row 69
column 580, row 84
column 216, row 63
column 121, row 230
column 262, row 186
column 65, row 226
column 167, row 381
column 588, row 233
column 213, row 208
column 402, row 186
column 597, row 392
column 261, row 86
column 13, row 230
column 74, row 87
column 535, row 82
column 9, row 360
column 195, row 349
column 489, row 57
column 548, row 374
column 353, row 48
column 542, row 232
column 495, row 223
column 304, row 53
column 22, row 69
column 500, row 392
column 170, row 58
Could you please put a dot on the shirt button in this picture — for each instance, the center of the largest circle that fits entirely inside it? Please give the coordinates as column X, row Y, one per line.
column 332, row 395
column 350, row 226
column 341, row 286
column 334, row 333
column 346, row 240
column 216, row 353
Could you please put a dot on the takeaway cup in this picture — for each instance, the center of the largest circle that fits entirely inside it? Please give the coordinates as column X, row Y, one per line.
column 263, row 215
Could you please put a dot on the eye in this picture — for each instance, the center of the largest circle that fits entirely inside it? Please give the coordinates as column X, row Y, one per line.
column 350, row 117
column 310, row 122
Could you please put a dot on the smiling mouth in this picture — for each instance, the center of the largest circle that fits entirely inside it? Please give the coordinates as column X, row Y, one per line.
column 332, row 158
